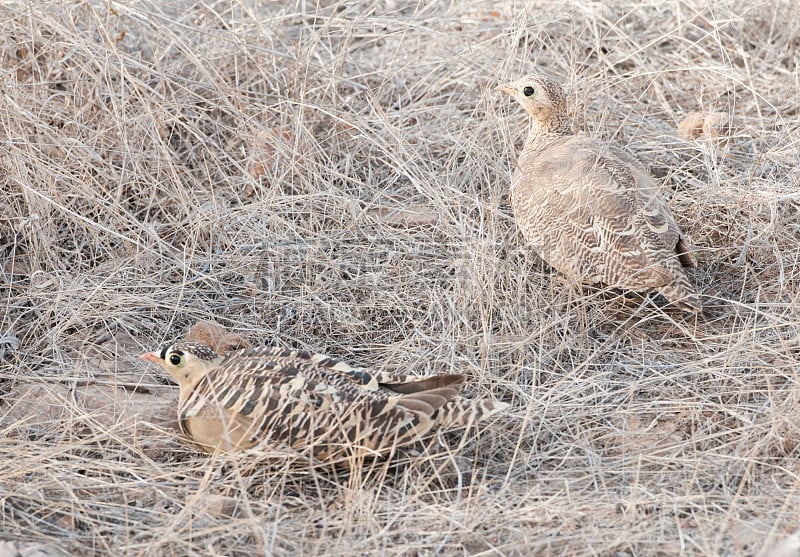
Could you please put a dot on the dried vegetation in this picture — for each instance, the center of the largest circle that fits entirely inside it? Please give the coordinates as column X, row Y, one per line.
column 334, row 176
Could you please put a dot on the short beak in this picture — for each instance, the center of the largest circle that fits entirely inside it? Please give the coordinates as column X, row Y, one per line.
column 150, row 357
column 505, row 88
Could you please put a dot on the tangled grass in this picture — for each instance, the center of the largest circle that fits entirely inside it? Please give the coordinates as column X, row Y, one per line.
column 334, row 176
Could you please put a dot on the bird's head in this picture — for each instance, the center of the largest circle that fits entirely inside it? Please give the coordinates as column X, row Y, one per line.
column 186, row 362
column 542, row 98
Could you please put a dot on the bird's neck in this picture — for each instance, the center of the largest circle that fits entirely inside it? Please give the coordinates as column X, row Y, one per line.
column 189, row 383
column 185, row 393
column 544, row 132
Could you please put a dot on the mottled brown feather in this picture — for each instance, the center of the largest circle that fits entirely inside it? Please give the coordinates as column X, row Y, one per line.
column 590, row 210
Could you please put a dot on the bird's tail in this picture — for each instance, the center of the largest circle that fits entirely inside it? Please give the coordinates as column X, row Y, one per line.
column 682, row 295
column 463, row 413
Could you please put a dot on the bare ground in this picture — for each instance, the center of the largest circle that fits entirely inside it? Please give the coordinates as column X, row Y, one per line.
column 335, row 177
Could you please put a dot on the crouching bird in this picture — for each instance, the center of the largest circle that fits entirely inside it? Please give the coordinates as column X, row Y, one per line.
column 319, row 406
column 590, row 210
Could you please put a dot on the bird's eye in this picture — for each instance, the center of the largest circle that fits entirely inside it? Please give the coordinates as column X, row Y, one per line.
column 175, row 359
column 528, row 91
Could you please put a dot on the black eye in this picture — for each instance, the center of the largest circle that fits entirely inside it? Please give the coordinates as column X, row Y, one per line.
column 174, row 359
column 528, row 91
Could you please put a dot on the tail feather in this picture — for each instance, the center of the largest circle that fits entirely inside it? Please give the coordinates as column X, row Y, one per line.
column 685, row 252
column 461, row 413
column 426, row 383
column 427, row 402
column 682, row 295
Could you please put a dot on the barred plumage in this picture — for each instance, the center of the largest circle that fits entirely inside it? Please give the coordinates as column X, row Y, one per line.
column 590, row 210
column 276, row 397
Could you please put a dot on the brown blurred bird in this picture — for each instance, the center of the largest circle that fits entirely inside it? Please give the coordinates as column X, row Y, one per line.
column 322, row 407
column 216, row 337
column 715, row 126
column 590, row 210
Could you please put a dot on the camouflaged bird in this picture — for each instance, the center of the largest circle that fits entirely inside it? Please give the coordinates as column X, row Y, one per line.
column 590, row 210
column 216, row 337
column 320, row 406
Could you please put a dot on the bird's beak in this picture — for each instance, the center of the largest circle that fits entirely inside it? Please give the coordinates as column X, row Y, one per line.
column 150, row 357
column 505, row 88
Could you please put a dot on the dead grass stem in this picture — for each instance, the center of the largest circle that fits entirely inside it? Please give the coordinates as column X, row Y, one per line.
column 334, row 176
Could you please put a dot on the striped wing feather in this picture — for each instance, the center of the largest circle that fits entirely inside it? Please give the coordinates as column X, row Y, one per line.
column 370, row 380
column 288, row 398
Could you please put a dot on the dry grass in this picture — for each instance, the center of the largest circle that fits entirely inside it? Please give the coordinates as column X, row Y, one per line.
column 242, row 161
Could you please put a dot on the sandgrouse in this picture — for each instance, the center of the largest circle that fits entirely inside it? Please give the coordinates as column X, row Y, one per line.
column 319, row 406
column 590, row 210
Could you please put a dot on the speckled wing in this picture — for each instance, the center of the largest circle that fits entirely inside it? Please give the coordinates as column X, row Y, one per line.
column 295, row 399
column 595, row 215
column 454, row 414
column 400, row 382
column 396, row 382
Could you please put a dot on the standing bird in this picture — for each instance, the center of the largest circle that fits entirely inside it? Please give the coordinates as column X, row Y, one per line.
column 322, row 407
column 590, row 210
